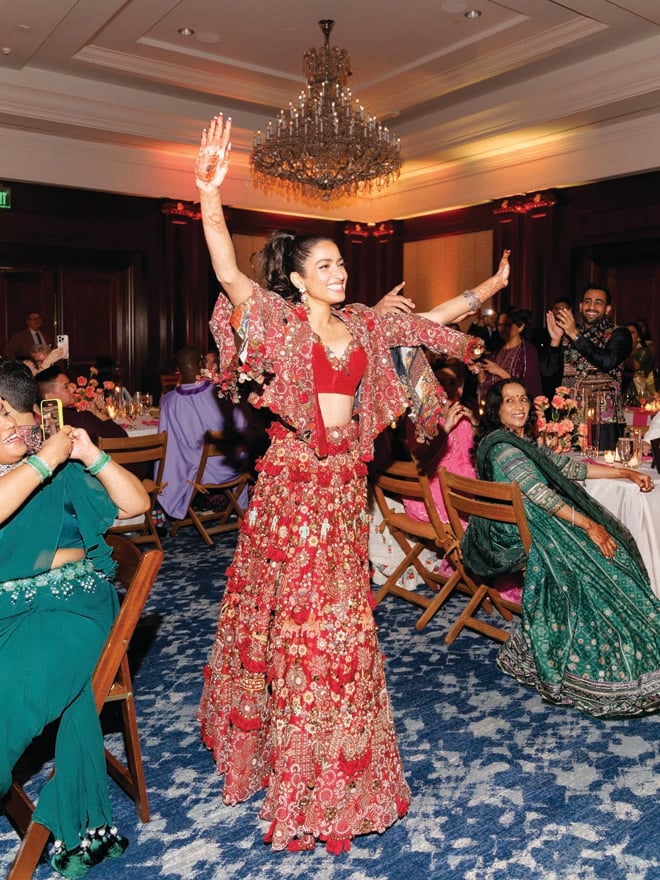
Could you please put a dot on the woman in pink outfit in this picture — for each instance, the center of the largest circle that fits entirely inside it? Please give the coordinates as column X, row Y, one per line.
column 453, row 449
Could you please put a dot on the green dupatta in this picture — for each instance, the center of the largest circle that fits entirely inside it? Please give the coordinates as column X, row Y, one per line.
column 491, row 549
column 29, row 538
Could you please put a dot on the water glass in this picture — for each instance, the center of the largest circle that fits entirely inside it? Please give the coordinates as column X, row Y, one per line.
column 624, row 449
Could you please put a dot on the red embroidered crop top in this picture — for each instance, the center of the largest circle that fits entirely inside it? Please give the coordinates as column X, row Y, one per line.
column 342, row 379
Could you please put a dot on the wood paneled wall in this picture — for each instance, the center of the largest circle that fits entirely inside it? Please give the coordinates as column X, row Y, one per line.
column 131, row 276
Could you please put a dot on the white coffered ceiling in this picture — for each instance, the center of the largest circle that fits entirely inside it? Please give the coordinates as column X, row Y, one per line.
column 107, row 94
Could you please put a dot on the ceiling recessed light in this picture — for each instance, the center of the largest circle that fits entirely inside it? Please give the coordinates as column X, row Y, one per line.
column 473, row 13
column 186, row 31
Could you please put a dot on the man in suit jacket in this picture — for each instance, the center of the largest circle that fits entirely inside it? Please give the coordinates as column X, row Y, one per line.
column 21, row 343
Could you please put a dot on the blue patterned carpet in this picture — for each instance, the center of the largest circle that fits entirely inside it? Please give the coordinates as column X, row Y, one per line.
column 504, row 787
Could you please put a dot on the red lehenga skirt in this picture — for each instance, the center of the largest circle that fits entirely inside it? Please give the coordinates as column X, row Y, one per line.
column 294, row 696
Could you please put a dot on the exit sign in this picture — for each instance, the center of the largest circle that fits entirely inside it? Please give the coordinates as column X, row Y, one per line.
column 5, row 197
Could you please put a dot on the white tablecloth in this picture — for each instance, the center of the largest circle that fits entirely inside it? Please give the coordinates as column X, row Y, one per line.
column 140, row 427
column 639, row 511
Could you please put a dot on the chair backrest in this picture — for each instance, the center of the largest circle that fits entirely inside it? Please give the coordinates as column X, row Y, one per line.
column 214, row 447
column 406, row 479
column 136, row 572
column 131, row 450
column 465, row 497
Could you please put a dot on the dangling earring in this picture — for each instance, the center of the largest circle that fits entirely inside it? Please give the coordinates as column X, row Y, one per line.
column 303, row 297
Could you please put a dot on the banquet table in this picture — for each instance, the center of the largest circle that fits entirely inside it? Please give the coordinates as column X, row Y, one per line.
column 639, row 511
column 139, row 427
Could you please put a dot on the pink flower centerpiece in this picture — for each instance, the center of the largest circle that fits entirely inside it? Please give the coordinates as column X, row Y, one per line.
column 557, row 422
column 89, row 392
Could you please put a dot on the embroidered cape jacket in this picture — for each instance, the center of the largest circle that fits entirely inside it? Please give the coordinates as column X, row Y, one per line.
column 276, row 359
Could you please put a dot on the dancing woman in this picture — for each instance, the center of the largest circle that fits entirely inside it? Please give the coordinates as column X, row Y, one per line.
column 294, row 697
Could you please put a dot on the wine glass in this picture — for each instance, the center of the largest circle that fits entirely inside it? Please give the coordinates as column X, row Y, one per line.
column 639, row 383
column 624, row 449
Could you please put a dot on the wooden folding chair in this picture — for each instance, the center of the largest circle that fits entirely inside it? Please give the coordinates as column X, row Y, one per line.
column 406, row 479
column 136, row 571
column 501, row 502
column 148, row 449
column 223, row 517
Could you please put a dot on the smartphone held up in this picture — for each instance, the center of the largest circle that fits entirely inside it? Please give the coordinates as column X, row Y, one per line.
column 63, row 343
column 51, row 417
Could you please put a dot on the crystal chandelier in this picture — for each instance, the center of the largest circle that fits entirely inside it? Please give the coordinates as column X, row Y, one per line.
column 327, row 146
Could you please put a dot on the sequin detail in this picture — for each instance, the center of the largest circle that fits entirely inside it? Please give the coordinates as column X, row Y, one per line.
column 62, row 582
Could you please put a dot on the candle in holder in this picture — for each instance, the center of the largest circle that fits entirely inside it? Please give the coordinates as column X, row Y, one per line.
column 608, row 456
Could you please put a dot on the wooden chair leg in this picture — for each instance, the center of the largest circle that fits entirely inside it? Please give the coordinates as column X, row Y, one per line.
column 438, row 601
column 29, row 852
column 467, row 619
column 129, row 777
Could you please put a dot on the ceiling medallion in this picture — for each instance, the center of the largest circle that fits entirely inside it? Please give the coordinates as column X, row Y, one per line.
column 327, row 146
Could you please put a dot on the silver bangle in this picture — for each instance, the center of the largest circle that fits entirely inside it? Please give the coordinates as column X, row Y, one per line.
column 473, row 300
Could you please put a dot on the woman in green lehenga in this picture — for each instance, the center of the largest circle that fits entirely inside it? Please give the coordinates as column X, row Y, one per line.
column 589, row 636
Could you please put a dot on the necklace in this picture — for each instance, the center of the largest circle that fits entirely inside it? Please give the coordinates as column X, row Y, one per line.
column 5, row 468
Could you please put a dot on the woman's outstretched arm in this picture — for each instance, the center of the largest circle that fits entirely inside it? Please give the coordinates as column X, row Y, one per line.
column 465, row 304
column 210, row 171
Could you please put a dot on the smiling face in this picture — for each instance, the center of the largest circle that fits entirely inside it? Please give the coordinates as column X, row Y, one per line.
column 12, row 447
column 324, row 276
column 514, row 409
column 594, row 306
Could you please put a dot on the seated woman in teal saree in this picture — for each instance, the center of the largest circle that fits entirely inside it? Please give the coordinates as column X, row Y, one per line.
column 589, row 635
column 57, row 605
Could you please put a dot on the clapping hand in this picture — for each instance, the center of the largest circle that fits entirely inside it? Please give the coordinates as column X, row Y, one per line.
column 554, row 330
column 566, row 322
column 454, row 412
column 213, row 157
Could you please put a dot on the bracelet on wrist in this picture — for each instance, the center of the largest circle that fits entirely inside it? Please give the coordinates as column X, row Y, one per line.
column 472, row 300
column 98, row 464
column 40, row 466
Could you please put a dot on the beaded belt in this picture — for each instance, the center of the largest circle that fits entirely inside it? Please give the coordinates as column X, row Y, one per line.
column 60, row 581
